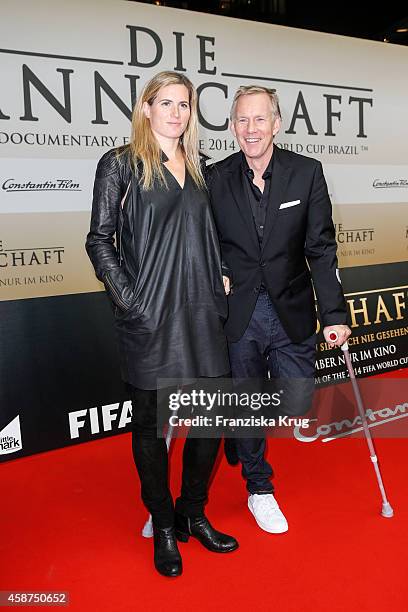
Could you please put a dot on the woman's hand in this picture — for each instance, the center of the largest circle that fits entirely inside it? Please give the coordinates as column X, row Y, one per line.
column 227, row 285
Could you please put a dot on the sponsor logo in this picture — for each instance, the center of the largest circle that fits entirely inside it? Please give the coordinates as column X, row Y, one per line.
column 10, row 437
column 99, row 419
column 347, row 427
column 38, row 256
column 63, row 184
column 385, row 184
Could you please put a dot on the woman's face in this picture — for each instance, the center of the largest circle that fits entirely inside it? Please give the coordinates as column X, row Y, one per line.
column 170, row 112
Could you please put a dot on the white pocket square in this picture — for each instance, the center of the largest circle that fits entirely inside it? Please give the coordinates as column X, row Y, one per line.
column 288, row 204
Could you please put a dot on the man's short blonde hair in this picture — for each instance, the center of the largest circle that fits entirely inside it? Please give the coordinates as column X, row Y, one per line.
column 247, row 90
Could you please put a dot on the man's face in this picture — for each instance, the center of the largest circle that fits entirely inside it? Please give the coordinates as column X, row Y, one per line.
column 254, row 126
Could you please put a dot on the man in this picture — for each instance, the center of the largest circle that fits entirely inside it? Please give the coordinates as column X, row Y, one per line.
column 273, row 214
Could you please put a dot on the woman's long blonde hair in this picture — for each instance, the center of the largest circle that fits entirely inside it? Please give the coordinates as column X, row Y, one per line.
column 144, row 146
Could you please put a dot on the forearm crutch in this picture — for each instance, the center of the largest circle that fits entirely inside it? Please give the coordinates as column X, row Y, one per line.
column 147, row 531
column 386, row 509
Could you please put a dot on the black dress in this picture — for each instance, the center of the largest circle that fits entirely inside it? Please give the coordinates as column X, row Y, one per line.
column 170, row 324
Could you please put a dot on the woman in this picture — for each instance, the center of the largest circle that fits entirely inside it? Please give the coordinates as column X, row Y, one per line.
column 164, row 279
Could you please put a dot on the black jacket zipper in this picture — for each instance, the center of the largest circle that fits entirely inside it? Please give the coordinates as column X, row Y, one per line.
column 119, row 300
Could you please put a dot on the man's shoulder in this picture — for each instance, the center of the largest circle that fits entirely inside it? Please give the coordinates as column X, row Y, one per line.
column 286, row 157
column 228, row 164
column 291, row 158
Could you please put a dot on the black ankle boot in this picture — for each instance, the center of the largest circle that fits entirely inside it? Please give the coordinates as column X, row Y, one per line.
column 200, row 528
column 167, row 559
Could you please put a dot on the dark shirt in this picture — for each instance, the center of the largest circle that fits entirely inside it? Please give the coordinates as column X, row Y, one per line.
column 258, row 200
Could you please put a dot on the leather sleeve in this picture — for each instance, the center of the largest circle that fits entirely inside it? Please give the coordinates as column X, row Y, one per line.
column 226, row 270
column 109, row 188
column 321, row 253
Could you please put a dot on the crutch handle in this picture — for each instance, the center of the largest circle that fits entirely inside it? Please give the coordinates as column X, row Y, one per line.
column 333, row 336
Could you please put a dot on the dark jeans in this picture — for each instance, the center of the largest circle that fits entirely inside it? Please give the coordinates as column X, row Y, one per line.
column 150, row 456
column 265, row 348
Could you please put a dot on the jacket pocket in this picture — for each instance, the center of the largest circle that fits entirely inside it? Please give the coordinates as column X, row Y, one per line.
column 118, row 288
column 300, row 281
column 289, row 204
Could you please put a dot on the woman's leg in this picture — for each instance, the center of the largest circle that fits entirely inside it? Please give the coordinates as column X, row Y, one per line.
column 150, row 456
column 199, row 455
column 198, row 461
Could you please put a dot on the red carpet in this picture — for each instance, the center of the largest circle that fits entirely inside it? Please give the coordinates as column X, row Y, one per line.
column 71, row 521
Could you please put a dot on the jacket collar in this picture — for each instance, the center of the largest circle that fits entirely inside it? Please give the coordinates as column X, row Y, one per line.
column 281, row 172
column 238, row 190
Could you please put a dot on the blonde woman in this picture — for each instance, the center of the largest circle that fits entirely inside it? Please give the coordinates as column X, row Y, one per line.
column 165, row 281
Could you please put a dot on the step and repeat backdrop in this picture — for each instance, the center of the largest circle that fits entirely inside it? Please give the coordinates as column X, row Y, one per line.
column 70, row 73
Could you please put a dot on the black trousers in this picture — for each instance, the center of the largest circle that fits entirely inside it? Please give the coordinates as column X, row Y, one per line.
column 266, row 346
column 150, row 456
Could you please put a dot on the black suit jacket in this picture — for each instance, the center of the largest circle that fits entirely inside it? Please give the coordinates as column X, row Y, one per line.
column 298, row 245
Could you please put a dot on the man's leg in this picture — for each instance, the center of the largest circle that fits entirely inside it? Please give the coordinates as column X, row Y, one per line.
column 293, row 363
column 294, row 366
column 249, row 366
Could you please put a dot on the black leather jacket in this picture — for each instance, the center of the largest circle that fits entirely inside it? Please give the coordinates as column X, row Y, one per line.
column 163, row 275
column 112, row 185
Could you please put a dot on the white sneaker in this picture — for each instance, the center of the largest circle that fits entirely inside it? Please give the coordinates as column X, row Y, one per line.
column 267, row 513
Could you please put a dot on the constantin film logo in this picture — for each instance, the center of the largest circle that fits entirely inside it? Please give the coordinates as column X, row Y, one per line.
column 390, row 184
column 10, row 437
column 346, row 427
column 10, row 185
